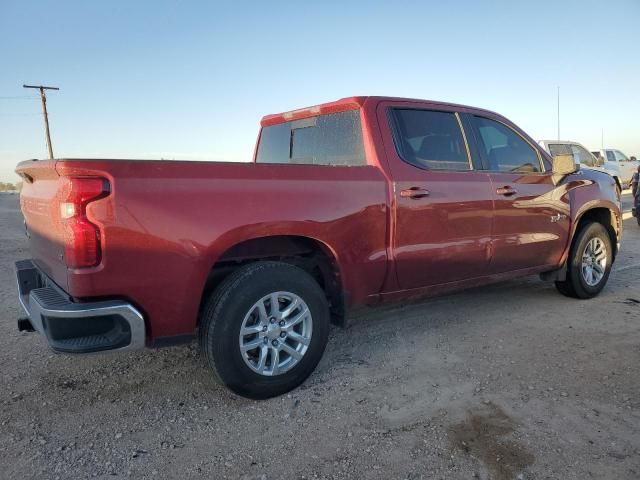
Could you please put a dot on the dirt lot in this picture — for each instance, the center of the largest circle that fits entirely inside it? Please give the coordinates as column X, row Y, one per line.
column 508, row 382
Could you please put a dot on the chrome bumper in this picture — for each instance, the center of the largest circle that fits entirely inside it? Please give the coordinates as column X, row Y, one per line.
column 72, row 327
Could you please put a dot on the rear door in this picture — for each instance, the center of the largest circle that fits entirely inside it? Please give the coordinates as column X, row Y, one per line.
column 531, row 216
column 443, row 205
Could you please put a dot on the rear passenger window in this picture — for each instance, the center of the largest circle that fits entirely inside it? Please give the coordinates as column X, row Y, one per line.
column 430, row 139
column 505, row 150
column 334, row 139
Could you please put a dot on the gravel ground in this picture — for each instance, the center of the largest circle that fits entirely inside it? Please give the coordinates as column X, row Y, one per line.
column 508, row 382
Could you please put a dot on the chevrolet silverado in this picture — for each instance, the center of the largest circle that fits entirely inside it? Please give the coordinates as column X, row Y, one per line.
column 353, row 203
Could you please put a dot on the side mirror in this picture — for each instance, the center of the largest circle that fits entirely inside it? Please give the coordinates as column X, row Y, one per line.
column 562, row 166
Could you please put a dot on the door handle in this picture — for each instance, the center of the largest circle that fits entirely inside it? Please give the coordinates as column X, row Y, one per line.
column 414, row 192
column 506, row 191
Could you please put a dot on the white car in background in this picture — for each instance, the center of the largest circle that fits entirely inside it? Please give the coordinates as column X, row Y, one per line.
column 615, row 158
column 582, row 157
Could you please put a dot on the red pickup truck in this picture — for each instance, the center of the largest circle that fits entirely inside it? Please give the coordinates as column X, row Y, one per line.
column 357, row 202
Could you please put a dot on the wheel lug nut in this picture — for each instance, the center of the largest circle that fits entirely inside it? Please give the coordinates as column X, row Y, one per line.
column 283, row 334
column 274, row 343
column 282, row 323
column 272, row 319
column 264, row 329
column 266, row 340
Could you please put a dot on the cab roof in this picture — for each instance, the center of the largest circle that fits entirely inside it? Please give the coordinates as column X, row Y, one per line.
column 351, row 103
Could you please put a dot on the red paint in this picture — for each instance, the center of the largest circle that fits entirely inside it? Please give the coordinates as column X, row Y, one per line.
column 166, row 223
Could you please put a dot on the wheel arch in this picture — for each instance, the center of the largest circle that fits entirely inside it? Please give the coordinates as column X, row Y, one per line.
column 592, row 212
column 310, row 254
column 606, row 217
column 618, row 182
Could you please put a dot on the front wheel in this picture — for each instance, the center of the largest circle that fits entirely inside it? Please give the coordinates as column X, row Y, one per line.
column 265, row 328
column 589, row 263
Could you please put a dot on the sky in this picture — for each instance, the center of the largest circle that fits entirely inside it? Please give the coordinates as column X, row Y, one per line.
column 191, row 80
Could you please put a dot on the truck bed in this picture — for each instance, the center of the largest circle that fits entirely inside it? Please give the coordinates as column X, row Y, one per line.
column 168, row 220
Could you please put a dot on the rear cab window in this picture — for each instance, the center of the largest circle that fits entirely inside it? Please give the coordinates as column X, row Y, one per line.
column 333, row 139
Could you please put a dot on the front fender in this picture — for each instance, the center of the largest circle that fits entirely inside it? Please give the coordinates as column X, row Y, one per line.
column 595, row 190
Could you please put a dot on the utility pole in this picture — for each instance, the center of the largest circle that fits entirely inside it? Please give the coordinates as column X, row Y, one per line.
column 558, row 113
column 43, row 97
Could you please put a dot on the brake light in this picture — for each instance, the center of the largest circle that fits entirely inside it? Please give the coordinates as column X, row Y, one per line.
column 81, row 237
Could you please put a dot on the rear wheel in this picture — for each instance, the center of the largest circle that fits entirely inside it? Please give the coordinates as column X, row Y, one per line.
column 589, row 263
column 264, row 329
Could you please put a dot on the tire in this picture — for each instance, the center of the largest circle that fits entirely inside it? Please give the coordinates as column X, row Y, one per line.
column 236, row 303
column 579, row 283
column 566, row 289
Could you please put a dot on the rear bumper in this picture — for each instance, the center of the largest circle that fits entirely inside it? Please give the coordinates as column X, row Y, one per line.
column 72, row 327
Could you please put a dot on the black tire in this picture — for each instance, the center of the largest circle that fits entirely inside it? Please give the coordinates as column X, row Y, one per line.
column 225, row 311
column 566, row 289
column 575, row 285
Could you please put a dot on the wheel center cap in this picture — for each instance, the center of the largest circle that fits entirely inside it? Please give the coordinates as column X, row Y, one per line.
column 273, row 330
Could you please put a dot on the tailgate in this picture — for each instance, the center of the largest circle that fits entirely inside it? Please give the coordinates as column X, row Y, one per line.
column 40, row 209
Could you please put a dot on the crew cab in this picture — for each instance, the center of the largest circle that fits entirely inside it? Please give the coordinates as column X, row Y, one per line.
column 357, row 202
column 581, row 156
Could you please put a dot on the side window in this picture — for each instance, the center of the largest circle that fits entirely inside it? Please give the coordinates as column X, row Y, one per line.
column 581, row 156
column 610, row 156
column 506, row 151
column 334, row 139
column 430, row 139
column 621, row 157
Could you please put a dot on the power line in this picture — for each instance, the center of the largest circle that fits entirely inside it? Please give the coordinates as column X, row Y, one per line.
column 19, row 97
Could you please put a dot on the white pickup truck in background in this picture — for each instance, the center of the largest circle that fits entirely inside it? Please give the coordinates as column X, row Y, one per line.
column 584, row 158
column 610, row 157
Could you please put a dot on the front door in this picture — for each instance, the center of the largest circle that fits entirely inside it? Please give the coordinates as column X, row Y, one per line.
column 443, row 206
column 531, row 214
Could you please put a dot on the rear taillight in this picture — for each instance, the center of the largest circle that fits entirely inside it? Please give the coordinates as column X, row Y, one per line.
column 81, row 237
